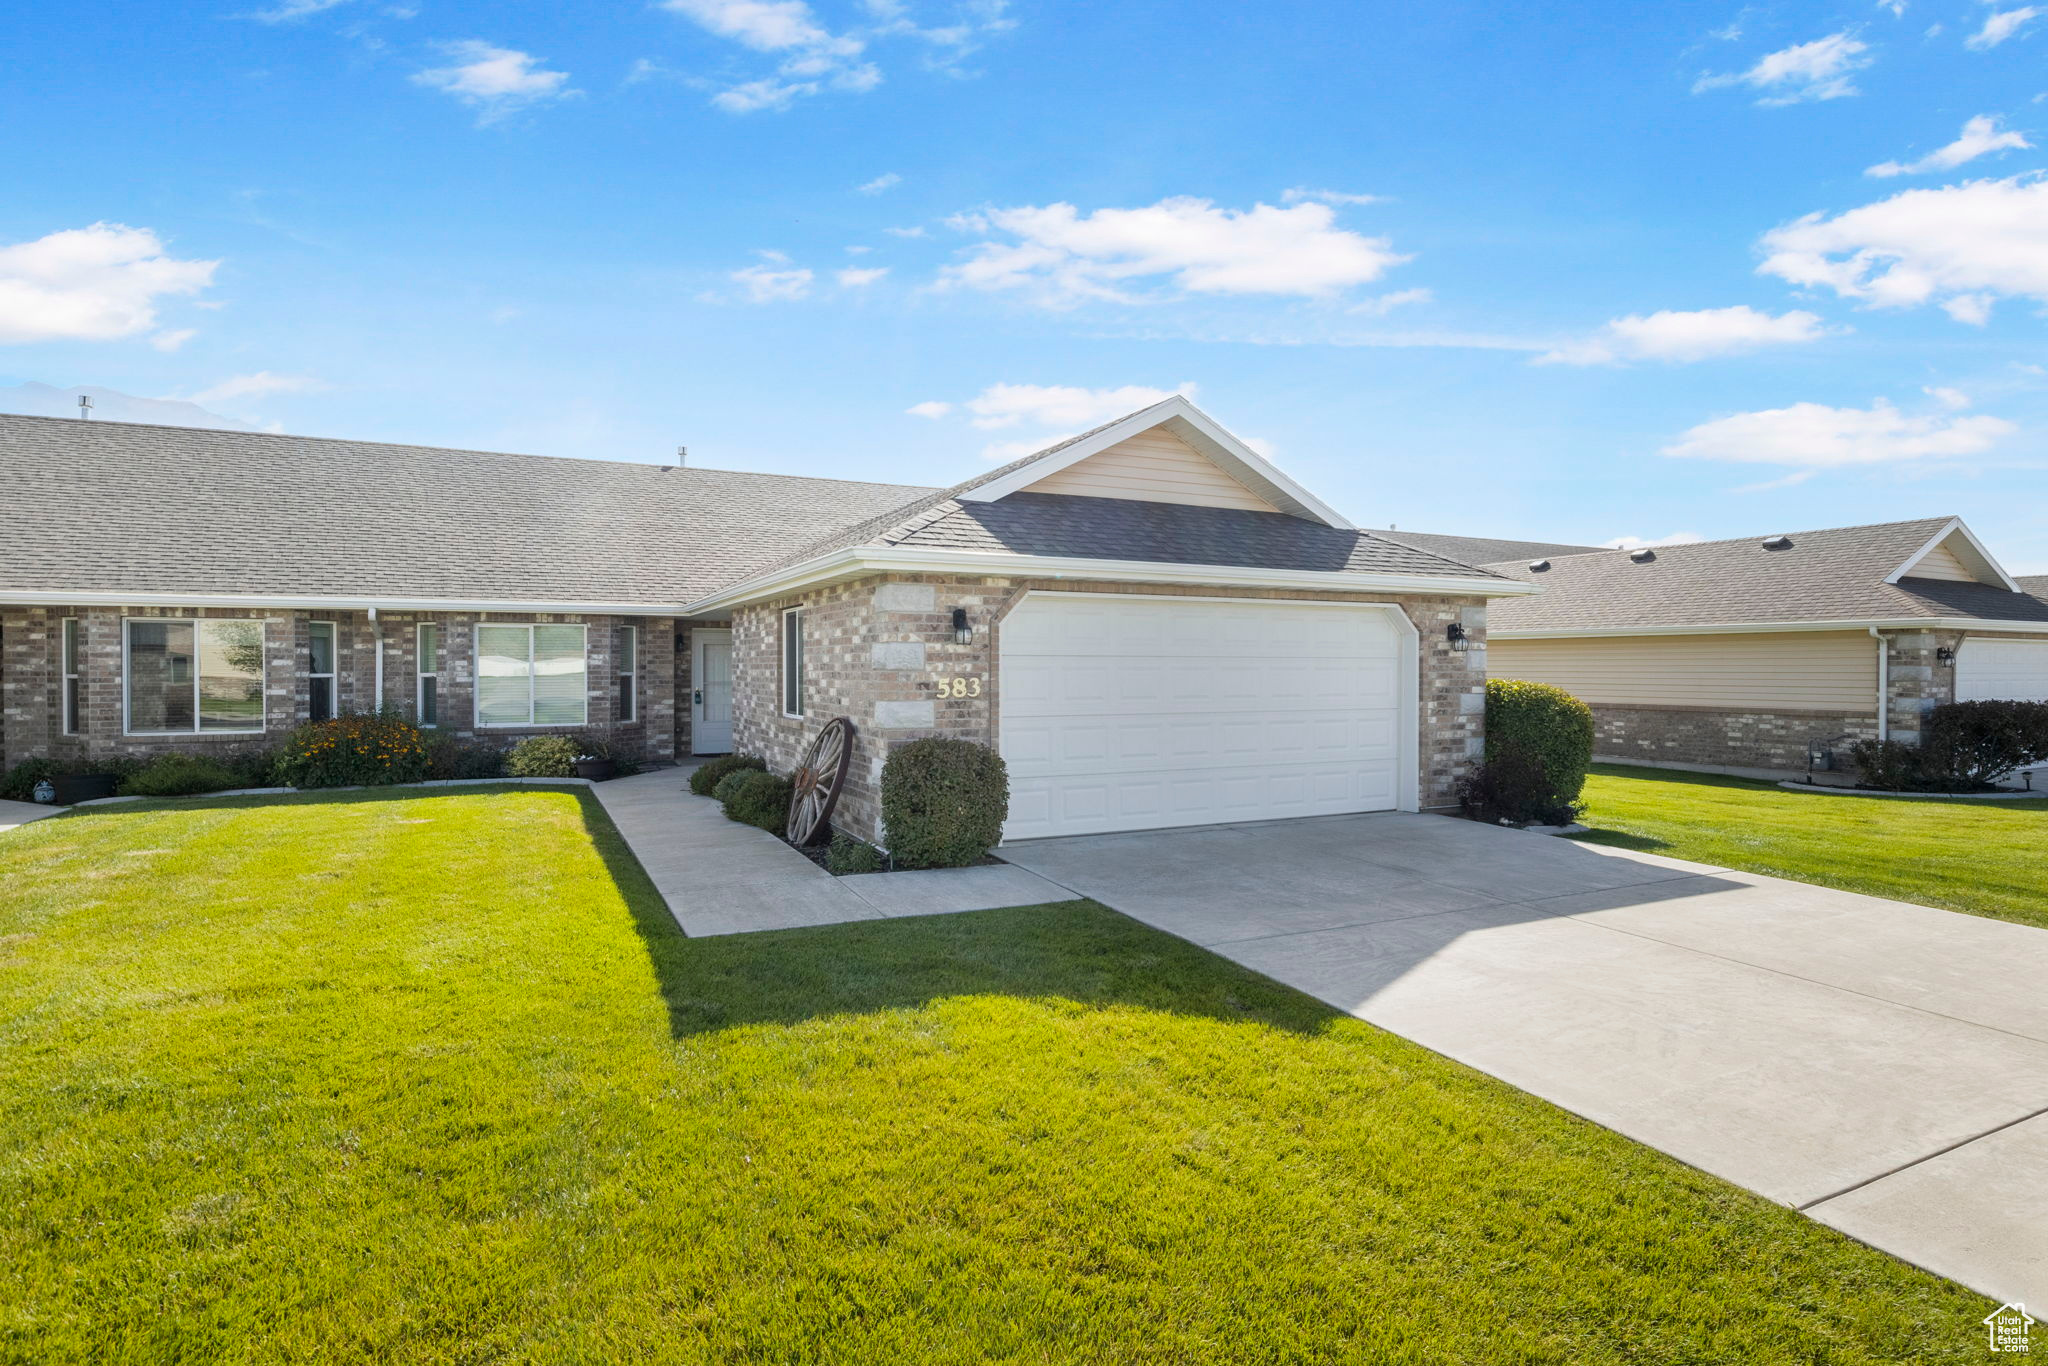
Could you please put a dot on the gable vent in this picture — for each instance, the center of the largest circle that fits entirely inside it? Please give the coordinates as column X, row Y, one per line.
column 1538, row 566
column 1643, row 556
column 1777, row 543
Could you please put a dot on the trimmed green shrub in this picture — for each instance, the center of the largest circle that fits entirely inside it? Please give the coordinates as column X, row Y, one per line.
column 758, row 798
column 543, row 756
column 366, row 750
column 1513, row 788
column 730, row 783
column 1552, row 726
column 1964, row 747
column 943, row 802
column 848, row 855
column 449, row 756
column 704, row 782
column 1889, row 765
column 181, row 775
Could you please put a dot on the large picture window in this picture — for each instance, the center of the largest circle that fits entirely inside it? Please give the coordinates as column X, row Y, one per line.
column 793, row 662
column 531, row 676
column 194, row 677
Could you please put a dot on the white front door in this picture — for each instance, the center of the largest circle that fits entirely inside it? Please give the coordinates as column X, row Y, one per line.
column 711, row 692
column 2002, row 671
column 1134, row 713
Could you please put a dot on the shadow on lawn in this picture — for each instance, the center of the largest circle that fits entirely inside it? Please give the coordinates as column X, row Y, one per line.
column 1074, row 951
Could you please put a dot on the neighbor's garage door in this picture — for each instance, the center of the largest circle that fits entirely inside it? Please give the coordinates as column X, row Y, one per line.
column 1132, row 713
column 2002, row 670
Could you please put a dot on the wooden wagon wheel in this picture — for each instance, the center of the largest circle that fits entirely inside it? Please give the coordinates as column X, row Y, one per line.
column 815, row 784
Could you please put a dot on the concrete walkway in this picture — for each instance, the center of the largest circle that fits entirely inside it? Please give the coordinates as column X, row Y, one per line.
column 21, row 813
column 1881, row 1066
column 721, row 877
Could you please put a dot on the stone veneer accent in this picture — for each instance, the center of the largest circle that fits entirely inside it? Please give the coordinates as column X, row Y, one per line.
column 875, row 648
column 30, row 677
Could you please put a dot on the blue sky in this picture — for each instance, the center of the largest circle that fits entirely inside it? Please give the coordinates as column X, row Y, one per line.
column 1576, row 272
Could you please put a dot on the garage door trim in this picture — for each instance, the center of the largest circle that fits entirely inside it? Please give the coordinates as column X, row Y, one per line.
column 1408, row 723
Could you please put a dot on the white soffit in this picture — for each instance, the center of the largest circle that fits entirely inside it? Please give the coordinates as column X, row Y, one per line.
column 1200, row 431
column 1961, row 542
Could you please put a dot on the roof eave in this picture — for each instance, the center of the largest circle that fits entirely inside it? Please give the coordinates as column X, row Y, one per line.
column 861, row 561
column 73, row 597
column 1756, row 627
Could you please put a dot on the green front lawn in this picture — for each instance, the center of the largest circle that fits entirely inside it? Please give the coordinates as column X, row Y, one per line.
column 1987, row 858
column 433, row 1079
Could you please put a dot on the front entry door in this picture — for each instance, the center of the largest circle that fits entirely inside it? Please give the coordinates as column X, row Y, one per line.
column 711, row 692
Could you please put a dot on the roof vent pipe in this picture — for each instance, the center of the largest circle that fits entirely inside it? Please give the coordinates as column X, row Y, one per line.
column 1643, row 556
column 1538, row 566
column 1777, row 543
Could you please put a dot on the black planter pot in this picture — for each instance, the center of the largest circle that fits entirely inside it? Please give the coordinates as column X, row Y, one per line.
column 73, row 788
column 597, row 770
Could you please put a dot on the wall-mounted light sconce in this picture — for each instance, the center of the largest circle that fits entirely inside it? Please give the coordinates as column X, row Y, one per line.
column 1945, row 656
column 1455, row 633
column 963, row 634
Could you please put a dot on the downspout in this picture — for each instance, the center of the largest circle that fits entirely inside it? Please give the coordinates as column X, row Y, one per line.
column 377, row 656
column 1884, row 685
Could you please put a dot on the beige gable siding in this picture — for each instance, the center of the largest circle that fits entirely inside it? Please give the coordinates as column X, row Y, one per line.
column 1941, row 563
column 1152, row 467
column 1775, row 671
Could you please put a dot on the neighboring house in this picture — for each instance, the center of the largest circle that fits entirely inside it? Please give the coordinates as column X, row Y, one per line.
column 1746, row 654
column 1152, row 623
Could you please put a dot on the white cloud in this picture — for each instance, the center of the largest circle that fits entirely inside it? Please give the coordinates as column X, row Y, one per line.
column 751, row 96
column 257, row 386
column 1302, row 194
column 1819, row 70
column 495, row 81
column 1382, row 304
column 1062, row 405
column 1642, row 543
column 812, row 57
column 1063, row 257
column 1687, row 336
column 905, row 232
column 295, row 9
column 168, row 342
column 930, row 408
column 1946, row 396
column 92, row 284
column 1980, row 137
column 887, row 180
column 1816, row 437
column 764, row 25
column 1961, row 246
column 767, row 285
column 2001, row 25
column 860, row 278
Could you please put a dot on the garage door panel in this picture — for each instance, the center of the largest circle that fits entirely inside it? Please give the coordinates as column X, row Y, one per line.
column 2002, row 670
column 1135, row 713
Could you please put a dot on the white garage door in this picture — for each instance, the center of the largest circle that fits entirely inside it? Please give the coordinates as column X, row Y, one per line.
column 1133, row 713
column 2002, row 670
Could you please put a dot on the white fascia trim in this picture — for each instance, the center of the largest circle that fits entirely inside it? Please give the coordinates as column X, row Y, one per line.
column 1955, row 526
column 99, row 598
column 859, row 561
column 1212, row 438
column 1758, row 627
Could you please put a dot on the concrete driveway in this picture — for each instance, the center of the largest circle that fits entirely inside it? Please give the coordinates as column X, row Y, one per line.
column 1882, row 1066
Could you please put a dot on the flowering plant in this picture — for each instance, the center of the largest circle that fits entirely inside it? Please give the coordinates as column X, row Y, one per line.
column 356, row 750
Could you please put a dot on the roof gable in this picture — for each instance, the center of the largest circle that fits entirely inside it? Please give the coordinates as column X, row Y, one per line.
column 1153, row 467
column 1190, row 427
column 1955, row 554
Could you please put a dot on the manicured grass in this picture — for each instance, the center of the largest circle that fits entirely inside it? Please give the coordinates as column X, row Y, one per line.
column 1987, row 858
column 433, row 1079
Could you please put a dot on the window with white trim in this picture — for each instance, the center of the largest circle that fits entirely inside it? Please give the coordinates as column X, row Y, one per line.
column 72, row 710
column 535, row 675
column 193, row 677
column 793, row 662
column 427, row 665
column 629, row 673
column 320, row 670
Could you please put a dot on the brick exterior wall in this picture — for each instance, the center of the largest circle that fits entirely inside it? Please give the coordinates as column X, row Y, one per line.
column 31, row 716
column 1721, row 739
column 876, row 648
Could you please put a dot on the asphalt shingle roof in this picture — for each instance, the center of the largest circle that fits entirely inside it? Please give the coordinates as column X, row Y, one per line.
column 1482, row 549
column 1835, row 574
column 126, row 507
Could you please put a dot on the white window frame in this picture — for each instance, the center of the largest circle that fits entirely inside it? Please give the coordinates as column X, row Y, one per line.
column 333, row 656
column 70, row 645
column 477, row 691
column 791, row 667
column 128, row 675
column 628, row 710
column 426, row 664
